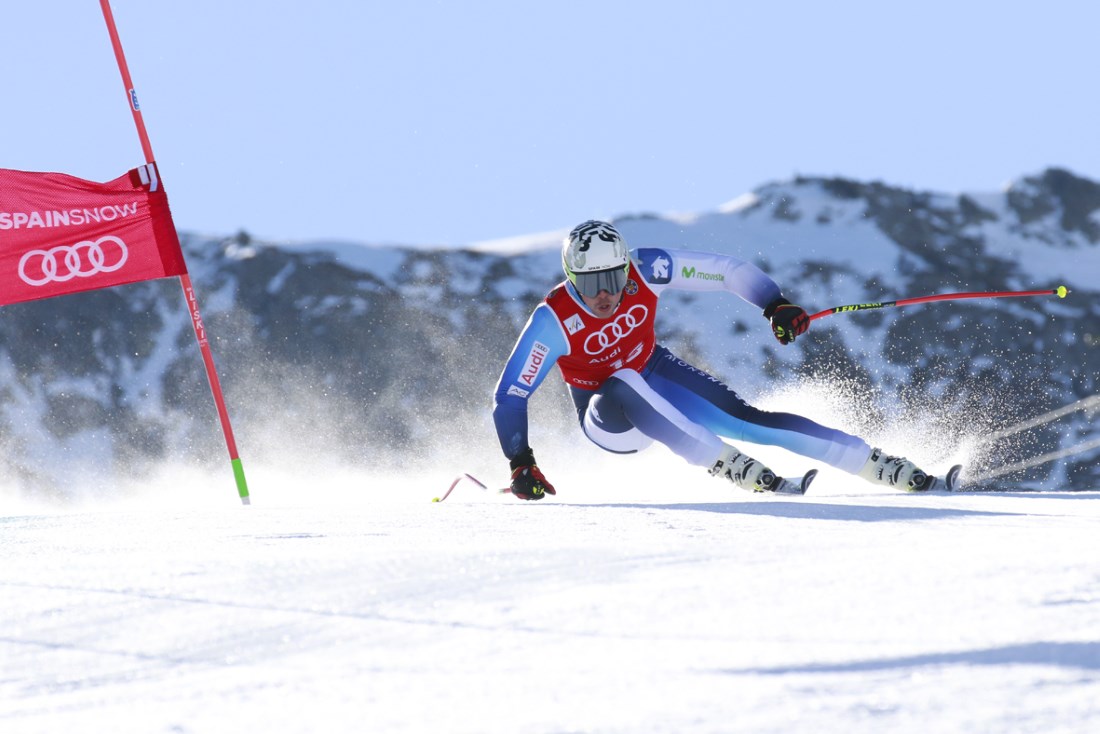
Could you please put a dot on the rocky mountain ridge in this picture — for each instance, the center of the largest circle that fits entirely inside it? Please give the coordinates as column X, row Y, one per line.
column 385, row 357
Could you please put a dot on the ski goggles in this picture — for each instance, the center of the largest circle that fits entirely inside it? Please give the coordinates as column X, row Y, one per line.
column 590, row 284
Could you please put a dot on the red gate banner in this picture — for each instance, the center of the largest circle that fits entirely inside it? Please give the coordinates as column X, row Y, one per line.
column 60, row 234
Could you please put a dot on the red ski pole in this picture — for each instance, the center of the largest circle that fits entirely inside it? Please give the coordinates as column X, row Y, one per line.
column 1060, row 291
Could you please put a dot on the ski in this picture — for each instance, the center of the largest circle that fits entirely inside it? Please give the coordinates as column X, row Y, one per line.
column 787, row 486
column 948, row 483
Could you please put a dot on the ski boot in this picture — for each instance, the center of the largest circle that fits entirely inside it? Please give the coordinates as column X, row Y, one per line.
column 744, row 471
column 896, row 472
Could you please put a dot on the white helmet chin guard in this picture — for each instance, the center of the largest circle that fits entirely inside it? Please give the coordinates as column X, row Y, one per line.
column 595, row 258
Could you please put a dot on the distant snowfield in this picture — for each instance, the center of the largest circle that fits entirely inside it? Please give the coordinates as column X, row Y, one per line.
column 667, row 603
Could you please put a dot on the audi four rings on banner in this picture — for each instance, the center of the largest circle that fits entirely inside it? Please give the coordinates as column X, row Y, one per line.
column 65, row 262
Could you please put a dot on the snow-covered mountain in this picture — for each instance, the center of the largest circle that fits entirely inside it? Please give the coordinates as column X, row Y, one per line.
column 386, row 356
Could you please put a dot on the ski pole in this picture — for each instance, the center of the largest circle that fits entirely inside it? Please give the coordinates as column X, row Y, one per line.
column 475, row 480
column 1060, row 291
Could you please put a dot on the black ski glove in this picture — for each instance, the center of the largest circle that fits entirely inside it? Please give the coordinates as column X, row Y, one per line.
column 528, row 483
column 788, row 320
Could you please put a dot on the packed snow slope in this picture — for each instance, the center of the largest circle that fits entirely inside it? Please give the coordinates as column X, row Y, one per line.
column 642, row 599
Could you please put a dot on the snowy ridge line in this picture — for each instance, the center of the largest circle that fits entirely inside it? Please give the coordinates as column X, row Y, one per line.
column 1088, row 404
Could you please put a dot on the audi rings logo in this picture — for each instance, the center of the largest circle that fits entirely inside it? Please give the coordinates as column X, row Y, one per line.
column 616, row 330
column 65, row 262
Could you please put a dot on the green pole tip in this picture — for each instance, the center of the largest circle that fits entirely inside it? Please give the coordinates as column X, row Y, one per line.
column 1061, row 291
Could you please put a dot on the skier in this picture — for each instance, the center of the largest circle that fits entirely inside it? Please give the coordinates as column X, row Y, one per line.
column 629, row 391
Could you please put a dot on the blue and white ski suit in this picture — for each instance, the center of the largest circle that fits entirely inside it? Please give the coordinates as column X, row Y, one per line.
column 629, row 391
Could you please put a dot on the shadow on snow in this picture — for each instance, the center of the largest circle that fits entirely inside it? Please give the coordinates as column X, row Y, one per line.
column 805, row 510
column 1081, row 655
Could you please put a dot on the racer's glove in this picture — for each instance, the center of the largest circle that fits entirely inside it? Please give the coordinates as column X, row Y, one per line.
column 528, row 483
column 788, row 320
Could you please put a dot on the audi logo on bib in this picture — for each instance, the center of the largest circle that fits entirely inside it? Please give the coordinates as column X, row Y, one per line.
column 612, row 333
column 65, row 262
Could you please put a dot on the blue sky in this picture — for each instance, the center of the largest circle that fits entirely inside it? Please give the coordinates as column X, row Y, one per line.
column 440, row 123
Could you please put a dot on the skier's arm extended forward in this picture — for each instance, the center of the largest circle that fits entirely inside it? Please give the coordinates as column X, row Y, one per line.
column 537, row 349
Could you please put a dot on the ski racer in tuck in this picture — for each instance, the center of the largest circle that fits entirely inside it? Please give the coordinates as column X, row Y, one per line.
column 629, row 391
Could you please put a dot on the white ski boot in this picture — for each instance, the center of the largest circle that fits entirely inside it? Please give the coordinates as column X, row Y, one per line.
column 895, row 472
column 744, row 471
